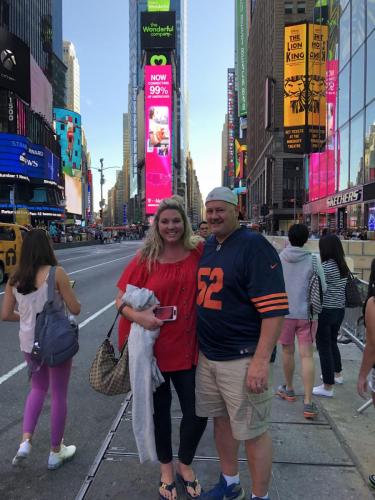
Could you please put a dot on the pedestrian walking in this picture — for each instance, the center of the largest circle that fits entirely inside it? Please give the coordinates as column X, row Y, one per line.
column 336, row 273
column 25, row 297
column 167, row 264
column 298, row 269
column 241, row 303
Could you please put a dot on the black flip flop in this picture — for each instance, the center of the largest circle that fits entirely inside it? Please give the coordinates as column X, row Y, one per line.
column 165, row 486
column 189, row 484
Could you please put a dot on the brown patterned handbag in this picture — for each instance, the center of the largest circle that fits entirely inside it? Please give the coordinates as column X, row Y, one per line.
column 110, row 375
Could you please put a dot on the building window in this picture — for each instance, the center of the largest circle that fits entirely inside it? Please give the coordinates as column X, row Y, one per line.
column 301, row 7
column 370, row 144
column 343, row 158
column 356, row 151
column 288, row 7
column 357, row 87
column 370, row 69
column 344, row 53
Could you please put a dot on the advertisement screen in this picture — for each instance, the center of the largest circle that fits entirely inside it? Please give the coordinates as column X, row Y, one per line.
column 241, row 55
column 158, row 5
column 41, row 91
column 68, row 129
column 20, row 158
column 305, row 87
column 73, row 195
column 158, row 135
column 158, row 30
column 14, row 65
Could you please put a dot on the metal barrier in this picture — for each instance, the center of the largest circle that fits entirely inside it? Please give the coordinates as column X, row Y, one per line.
column 353, row 329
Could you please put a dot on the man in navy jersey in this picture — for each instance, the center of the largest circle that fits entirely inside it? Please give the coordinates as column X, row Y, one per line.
column 241, row 303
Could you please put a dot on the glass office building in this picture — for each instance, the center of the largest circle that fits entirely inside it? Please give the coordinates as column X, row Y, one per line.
column 341, row 180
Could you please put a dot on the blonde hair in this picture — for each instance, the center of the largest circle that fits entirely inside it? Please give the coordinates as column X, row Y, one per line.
column 154, row 244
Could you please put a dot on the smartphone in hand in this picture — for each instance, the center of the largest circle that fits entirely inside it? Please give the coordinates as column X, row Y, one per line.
column 166, row 313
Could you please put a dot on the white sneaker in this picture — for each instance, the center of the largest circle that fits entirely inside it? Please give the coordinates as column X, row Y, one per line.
column 320, row 390
column 57, row 459
column 338, row 380
column 22, row 453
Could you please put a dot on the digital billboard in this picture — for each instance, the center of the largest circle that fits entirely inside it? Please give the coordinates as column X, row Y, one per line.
column 305, row 53
column 21, row 159
column 41, row 91
column 158, row 135
column 14, row 65
column 158, row 5
column 68, row 129
column 73, row 194
column 158, row 30
column 241, row 55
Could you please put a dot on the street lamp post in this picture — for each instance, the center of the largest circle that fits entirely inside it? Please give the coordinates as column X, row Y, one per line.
column 102, row 180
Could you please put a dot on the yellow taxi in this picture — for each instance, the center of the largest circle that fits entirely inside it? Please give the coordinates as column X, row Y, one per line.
column 11, row 237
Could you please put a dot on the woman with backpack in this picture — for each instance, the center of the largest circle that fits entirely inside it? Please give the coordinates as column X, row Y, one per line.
column 25, row 297
column 336, row 273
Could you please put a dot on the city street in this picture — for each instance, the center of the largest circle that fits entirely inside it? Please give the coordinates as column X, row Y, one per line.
column 96, row 270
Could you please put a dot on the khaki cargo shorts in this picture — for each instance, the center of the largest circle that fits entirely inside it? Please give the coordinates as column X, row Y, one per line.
column 221, row 392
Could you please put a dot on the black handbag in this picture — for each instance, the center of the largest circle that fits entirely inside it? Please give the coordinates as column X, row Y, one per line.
column 352, row 295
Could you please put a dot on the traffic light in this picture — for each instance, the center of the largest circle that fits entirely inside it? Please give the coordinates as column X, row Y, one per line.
column 101, row 213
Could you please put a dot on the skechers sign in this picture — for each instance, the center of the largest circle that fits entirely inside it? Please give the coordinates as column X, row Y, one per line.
column 352, row 196
column 158, row 30
column 21, row 159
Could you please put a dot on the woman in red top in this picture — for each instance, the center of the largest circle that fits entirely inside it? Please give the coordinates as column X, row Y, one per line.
column 167, row 265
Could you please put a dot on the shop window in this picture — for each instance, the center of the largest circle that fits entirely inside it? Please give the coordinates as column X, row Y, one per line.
column 343, row 158
column 370, row 69
column 344, row 37
column 357, row 87
column 301, row 7
column 356, row 151
column 344, row 95
column 288, row 7
column 370, row 16
column 358, row 23
column 370, row 143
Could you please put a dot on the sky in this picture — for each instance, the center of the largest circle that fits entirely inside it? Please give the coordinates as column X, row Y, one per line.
column 101, row 38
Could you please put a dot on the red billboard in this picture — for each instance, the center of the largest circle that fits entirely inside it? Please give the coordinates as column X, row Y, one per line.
column 158, row 135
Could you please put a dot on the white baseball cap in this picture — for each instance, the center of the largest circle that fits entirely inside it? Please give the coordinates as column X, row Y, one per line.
column 222, row 194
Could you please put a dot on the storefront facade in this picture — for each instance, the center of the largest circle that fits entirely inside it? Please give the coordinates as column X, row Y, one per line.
column 340, row 182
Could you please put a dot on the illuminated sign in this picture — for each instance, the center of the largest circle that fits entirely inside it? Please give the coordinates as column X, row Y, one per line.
column 158, row 30
column 21, row 159
column 68, row 129
column 241, row 55
column 158, row 134
column 345, row 198
column 305, row 53
column 158, row 5
column 14, row 65
column 73, row 195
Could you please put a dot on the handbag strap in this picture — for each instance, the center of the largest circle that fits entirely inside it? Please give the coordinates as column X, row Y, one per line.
column 314, row 263
column 119, row 311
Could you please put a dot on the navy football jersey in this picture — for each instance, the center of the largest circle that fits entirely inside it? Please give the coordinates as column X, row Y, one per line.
column 240, row 282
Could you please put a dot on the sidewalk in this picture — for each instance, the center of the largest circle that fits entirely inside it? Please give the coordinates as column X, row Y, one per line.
column 327, row 458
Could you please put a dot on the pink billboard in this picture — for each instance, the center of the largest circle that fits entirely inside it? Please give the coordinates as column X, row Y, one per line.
column 158, row 135
column 322, row 172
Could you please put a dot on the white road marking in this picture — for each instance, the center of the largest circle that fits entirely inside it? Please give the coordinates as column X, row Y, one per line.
column 96, row 265
column 21, row 366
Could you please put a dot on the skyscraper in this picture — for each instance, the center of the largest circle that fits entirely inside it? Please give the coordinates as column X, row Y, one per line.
column 72, row 77
column 135, row 89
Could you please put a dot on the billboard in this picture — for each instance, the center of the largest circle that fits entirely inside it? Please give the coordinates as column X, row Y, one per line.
column 68, row 129
column 158, row 30
column 241, row 55
column 41, row 91
column 158, row 59
column 305, row 53
column 73, row 194
column 158, row 135
column 232, row 113
column 21, row 159
column 240, row 157
column 158, row 5
column 14, row 65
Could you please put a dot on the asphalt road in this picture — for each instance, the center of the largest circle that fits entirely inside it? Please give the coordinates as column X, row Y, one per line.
column 96, row 270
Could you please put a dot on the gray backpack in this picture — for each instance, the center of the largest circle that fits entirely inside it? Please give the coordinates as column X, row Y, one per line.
column 315, row 298
column 56, row 338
